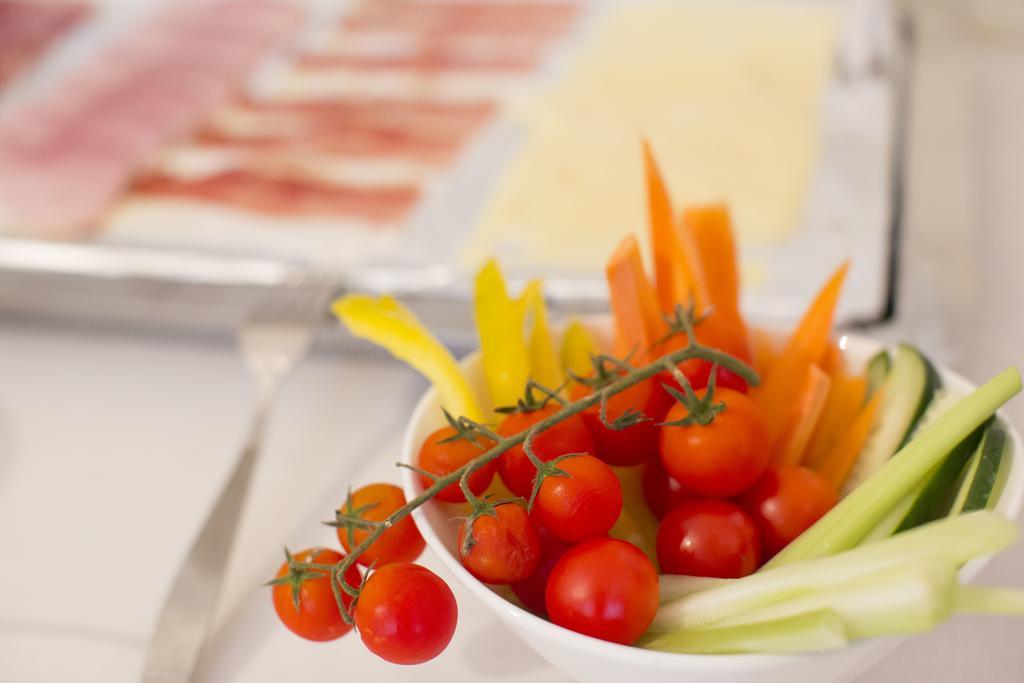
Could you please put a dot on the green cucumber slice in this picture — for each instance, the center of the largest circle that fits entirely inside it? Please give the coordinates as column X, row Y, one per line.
column 907, row 391
column 877, row 370
column 984, row 477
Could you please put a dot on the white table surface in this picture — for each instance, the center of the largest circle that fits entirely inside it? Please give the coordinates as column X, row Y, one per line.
column 113, row 443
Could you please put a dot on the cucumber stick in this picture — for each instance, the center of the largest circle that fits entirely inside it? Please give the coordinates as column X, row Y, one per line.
column 985, row 475
column 907, row 391
column 877, row 370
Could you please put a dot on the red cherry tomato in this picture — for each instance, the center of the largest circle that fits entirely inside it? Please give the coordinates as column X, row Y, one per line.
column 605, row 588
column 442, row 457
column 722, row 458
column 698, row 372
column 633, row 445
column 531, row 590
column 406, row 613
column 784, row 502
column 583, row 505
column 317, row 616
column 505, row 548
column 401, row 543
column 568, row 436
column 661, row 492
column 706, row 537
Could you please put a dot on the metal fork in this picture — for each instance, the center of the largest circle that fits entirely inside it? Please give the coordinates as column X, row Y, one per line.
column 272, row 341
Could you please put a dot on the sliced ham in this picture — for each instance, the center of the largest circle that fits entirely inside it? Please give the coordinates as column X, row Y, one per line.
column 288, row 195
column 463, row 16
column 431, row 132
column 27, row 29
column 87, row 136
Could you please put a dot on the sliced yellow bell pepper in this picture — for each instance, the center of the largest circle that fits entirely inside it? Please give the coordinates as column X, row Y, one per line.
column 387, row 323
column 499, row 321
column 545, row 366
column 578, row 346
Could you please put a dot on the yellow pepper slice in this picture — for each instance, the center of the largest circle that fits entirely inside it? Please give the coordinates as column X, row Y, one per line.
column 387, row 323
column 545, row 366
column 499, row 321
column 578, row 346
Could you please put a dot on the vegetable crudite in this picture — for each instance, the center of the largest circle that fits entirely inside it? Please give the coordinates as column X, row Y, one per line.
column 692, row 485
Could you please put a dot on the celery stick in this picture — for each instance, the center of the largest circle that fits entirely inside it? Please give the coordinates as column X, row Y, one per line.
column 950, row 541
column 808, row 632
column 675, row 586
column 853, row 517
column 898, row 601
column 985, row 600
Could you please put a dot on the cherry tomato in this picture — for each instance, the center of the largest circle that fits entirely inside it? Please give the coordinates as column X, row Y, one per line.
column 633, row 445
column 582, row 505
column 784, row 502
column 605, row 588
column 722, row 458
column 442, row 457
column 661, row 492
column 406, row 613
column 707, row 537
column 505, row 548
column 568, row 436
column 698, row 372
column 401, row 543
column 530, row 591
column 317, row 616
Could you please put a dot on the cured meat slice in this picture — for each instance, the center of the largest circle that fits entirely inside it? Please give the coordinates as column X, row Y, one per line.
column 463, row 16
column 427, row 131
column 288, row 195
column 27, row 29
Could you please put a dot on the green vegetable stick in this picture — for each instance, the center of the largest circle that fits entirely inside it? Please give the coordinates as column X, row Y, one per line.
column 856, row 515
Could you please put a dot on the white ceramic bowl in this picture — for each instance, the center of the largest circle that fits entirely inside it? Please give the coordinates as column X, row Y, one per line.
column 595, row 661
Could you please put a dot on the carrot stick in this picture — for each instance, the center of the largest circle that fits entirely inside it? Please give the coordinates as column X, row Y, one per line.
column 804, row 417
column 638, row 322
column 711, row 228
column 783, row 382
column 765, row 347
column 845, row 400
column 671, row 277
column 837, row 465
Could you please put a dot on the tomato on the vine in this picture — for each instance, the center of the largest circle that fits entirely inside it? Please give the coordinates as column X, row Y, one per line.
column 582, row 505
column 632, row 445
column 406, row 613
column 374, row 503
column 505, row 546
column 722, row 458
column 568, row 436
column 304, row 600
column 707, row 537
column 605, row 588
column 531, row 590
column 439, row 457
column 784, row 502
column 698, row 373
column 661, row 491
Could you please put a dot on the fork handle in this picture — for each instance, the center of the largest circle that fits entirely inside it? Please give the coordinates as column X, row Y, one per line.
column 177, row 640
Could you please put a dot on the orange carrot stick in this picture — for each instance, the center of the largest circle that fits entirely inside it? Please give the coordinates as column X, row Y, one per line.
column 783, row 382
column 804, row 418
column 845, row 400
column 638, row 321
column 837, row 465
column 672, row 278
column 712, row 231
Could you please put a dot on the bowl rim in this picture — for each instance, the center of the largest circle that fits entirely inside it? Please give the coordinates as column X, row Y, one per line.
column 1013, row 496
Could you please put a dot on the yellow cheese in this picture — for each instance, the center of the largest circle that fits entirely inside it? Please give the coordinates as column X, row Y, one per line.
column 728, row 93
